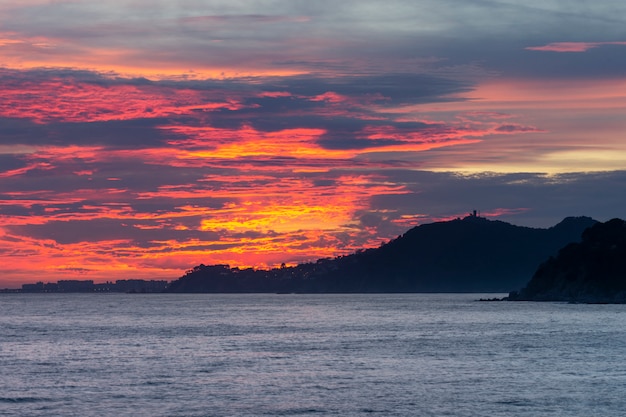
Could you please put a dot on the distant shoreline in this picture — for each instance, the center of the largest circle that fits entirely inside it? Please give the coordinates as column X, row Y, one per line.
column 139, row 286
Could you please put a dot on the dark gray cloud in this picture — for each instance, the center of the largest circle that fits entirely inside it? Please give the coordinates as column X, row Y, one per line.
column 102, row 229
column 352, row 36
column 113, row 134
column 526, row 199
column 10, row 162
column 396, row 87
column 339, row 141
column 516, row 61
column 43, row 208
column 70, row 174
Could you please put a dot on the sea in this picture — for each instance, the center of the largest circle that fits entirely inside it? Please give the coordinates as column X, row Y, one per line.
column 308, row 355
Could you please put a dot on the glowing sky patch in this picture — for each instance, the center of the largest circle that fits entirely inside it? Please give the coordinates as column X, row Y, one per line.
column 138, row 139
column 572, row 46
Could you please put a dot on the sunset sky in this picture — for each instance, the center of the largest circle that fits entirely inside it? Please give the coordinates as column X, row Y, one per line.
column 141, row 138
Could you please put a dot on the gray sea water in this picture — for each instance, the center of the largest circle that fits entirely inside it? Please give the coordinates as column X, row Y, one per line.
column 304, row 355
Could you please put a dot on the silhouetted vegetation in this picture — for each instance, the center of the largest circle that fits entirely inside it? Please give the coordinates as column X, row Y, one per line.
column 592, row 271
column 464, row 255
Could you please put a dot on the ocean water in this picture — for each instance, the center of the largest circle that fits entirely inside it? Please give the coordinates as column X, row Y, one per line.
column 308, row 355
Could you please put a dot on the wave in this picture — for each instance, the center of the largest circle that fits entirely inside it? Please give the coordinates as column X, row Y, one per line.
column 20, row 400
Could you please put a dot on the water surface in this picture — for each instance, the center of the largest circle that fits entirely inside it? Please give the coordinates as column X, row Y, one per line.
column 302, row 355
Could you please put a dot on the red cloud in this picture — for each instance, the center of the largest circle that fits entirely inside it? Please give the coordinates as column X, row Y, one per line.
column 72, row 100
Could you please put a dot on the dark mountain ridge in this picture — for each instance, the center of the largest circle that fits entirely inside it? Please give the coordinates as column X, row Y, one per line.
column 590, row 271
column 473, row 254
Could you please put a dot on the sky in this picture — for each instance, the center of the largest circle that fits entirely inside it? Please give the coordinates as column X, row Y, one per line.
column 141, row 138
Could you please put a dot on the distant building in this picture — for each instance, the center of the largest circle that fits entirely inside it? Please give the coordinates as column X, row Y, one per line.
column 37, row 287
column 122, row 285
column 75, row 286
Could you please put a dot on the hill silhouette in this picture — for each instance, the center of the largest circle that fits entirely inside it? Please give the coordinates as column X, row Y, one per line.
column 591, row 271
column 473, row 254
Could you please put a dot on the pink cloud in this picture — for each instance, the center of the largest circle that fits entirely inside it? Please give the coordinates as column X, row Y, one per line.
column 571, row 46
